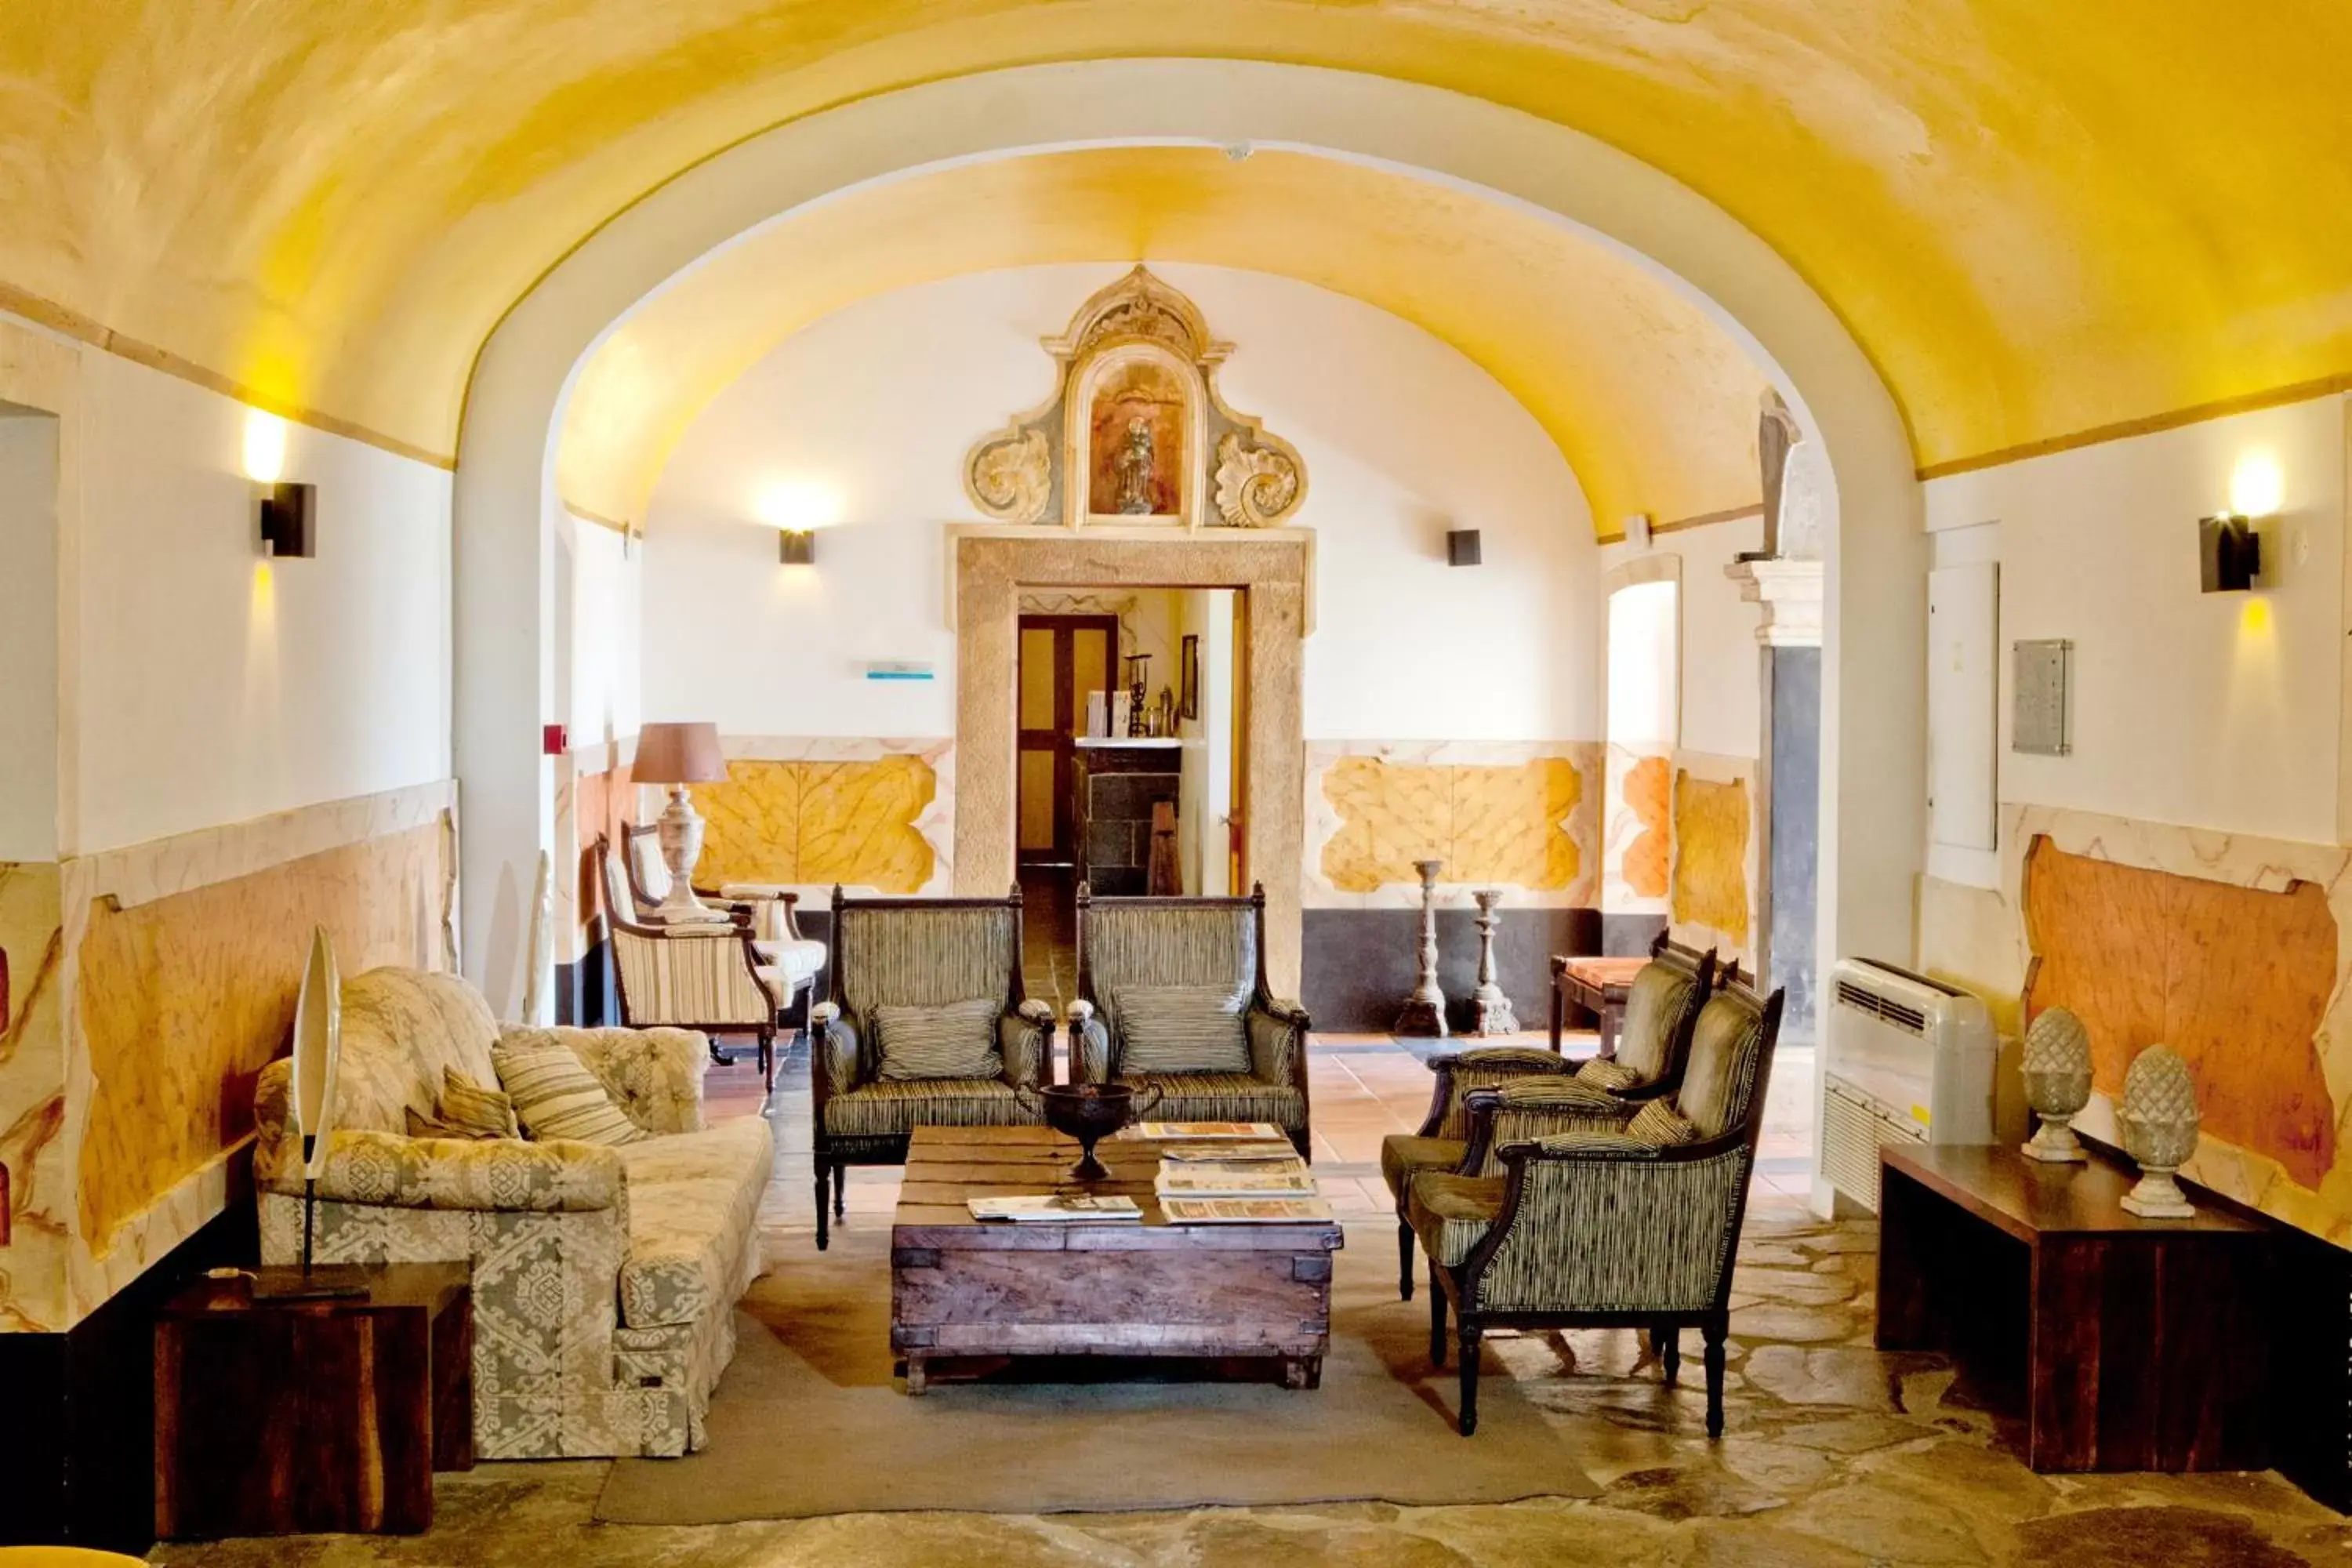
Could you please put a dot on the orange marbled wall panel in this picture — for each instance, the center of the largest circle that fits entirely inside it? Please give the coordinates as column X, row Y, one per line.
column 1710, row 876
column 809, row 822
column 184, row 999
column 1649, row 796
column 2236, row 979
column 1488, row 824
column 36, row 1174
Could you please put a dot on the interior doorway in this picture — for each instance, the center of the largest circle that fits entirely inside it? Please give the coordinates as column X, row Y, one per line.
column 1066, row 665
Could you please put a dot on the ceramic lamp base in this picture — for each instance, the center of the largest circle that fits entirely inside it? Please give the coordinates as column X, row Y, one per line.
column 2053, row 1142
column 2157, row 1196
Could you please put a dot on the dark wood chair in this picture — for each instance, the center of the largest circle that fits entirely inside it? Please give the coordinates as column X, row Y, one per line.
column 916, row 952
column 1651, row 1065
column 1624, row 1228
column 1213, row 943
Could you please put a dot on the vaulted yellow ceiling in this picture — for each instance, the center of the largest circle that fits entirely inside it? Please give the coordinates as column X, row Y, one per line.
column 1651, row 403
column 2038, row 218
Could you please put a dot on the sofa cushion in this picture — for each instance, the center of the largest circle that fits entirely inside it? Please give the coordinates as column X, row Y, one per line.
column 694, row 1203
column 1724, row 1046
column 1182, row 1029
column 1403, row 1156
column 896, row 1108
column 402, row 1030
column 954, row 1041
column 1605, row 1074
column 1657, row 1125
column 1220, row 1097
column 1654, row 1004
column 1452, row 1215
column 483, row 1109
column 555, row 1096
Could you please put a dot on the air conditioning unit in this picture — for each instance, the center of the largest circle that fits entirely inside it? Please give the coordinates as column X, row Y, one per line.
column 1905, row 1059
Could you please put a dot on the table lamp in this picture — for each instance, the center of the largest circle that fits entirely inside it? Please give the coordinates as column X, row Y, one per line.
column 678, row 755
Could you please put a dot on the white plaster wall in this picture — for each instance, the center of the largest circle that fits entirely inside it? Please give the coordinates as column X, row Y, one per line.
column 1721, row 681
column 216, row 686
column 1402, row 438
column 2216, row 710
column 607, row 612
column 29, row 636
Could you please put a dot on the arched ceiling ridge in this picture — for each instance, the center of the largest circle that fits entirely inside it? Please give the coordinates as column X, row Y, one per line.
column 2024, row 212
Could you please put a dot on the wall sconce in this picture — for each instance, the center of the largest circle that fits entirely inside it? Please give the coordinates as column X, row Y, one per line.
column 289, row 515
column 1462, row 547
column 2228, row 553
column 796, row 546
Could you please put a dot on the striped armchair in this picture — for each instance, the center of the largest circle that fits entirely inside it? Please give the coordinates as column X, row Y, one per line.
column 712, row 977
column 1211, row 944
column 916, row 952
column 1659, row 1011
column 1634, row 1225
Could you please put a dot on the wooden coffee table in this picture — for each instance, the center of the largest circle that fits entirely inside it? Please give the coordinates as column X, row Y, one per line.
column 961, row 1291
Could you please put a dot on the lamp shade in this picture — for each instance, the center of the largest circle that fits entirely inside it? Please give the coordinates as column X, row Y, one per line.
column 678, row 753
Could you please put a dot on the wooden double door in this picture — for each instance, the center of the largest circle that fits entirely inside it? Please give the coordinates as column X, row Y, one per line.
column 1063, row 660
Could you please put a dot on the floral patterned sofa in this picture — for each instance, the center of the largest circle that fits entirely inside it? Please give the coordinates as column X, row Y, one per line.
column 605, row 1278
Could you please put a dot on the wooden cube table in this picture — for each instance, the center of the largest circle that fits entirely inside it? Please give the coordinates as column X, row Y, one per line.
column 964, row 1291
column 283, row 1416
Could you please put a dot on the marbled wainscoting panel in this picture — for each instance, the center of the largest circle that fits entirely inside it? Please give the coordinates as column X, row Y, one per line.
column 598, row 801
column 2237, row 951
column 36, row 1177
column 1523, row 817
column 182, row 1000
column 1715, row 847
column 1637, row 831
column 874, row 815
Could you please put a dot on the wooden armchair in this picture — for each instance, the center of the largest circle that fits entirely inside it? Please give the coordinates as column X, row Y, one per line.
column 1661, row 1006
column 709, row 977
column 1139, row 960
column 1630, row 1227
column 917, row 955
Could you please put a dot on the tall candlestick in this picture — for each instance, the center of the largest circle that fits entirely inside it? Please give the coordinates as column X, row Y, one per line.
column 1424, row 1009
column 1490, row 1009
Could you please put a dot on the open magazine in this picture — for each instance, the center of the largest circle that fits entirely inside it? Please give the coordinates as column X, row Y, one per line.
column 1245, row 1211
column 1236, row 1179
column 1055, row 1206
column 1156, row 1131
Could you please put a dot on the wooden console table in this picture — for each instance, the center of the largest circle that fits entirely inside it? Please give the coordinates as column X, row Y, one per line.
column 1595, row 986
column 2131, row 1344
column 276, row 1417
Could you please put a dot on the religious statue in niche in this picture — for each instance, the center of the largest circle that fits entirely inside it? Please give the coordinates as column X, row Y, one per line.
column 1135, row 433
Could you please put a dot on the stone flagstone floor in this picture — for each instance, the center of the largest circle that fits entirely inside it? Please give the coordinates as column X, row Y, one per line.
column 1834, row 1454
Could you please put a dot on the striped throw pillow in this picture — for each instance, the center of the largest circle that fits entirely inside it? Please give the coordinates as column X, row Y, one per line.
column 1602, row 1074
column 957, row 1040
column 482, row 1112
column 1656, row 1123
column 556, row 1096
column 1182, row 1028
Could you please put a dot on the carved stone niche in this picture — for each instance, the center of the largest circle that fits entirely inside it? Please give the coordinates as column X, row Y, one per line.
column 1134, row 433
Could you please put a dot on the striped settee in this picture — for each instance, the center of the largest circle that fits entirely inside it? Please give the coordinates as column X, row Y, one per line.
column 916, row 952
column 1205, row 943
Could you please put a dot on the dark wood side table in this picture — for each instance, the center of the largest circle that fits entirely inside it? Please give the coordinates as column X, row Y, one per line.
column 281, row 1416
column 2130, row 1344
column 1595, row 986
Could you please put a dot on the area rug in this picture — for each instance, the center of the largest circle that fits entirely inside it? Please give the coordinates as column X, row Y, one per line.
column 809, row 1421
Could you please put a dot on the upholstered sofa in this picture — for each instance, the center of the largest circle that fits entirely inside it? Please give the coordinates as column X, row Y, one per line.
column 605, row 1277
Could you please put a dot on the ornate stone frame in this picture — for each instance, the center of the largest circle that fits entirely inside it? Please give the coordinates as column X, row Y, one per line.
column 1272, row 570
column 1038, row 465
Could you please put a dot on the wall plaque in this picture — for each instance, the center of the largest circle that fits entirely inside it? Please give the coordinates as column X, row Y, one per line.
column 2040, row 693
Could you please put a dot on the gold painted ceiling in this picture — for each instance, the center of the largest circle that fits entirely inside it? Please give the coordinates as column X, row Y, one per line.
column 1652, row 405
column 2038, row 218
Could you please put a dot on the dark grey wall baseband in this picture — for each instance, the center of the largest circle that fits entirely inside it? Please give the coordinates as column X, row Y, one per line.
column 1357, row 964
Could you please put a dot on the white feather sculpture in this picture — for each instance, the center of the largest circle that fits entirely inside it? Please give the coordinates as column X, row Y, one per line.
column 318, row 1048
